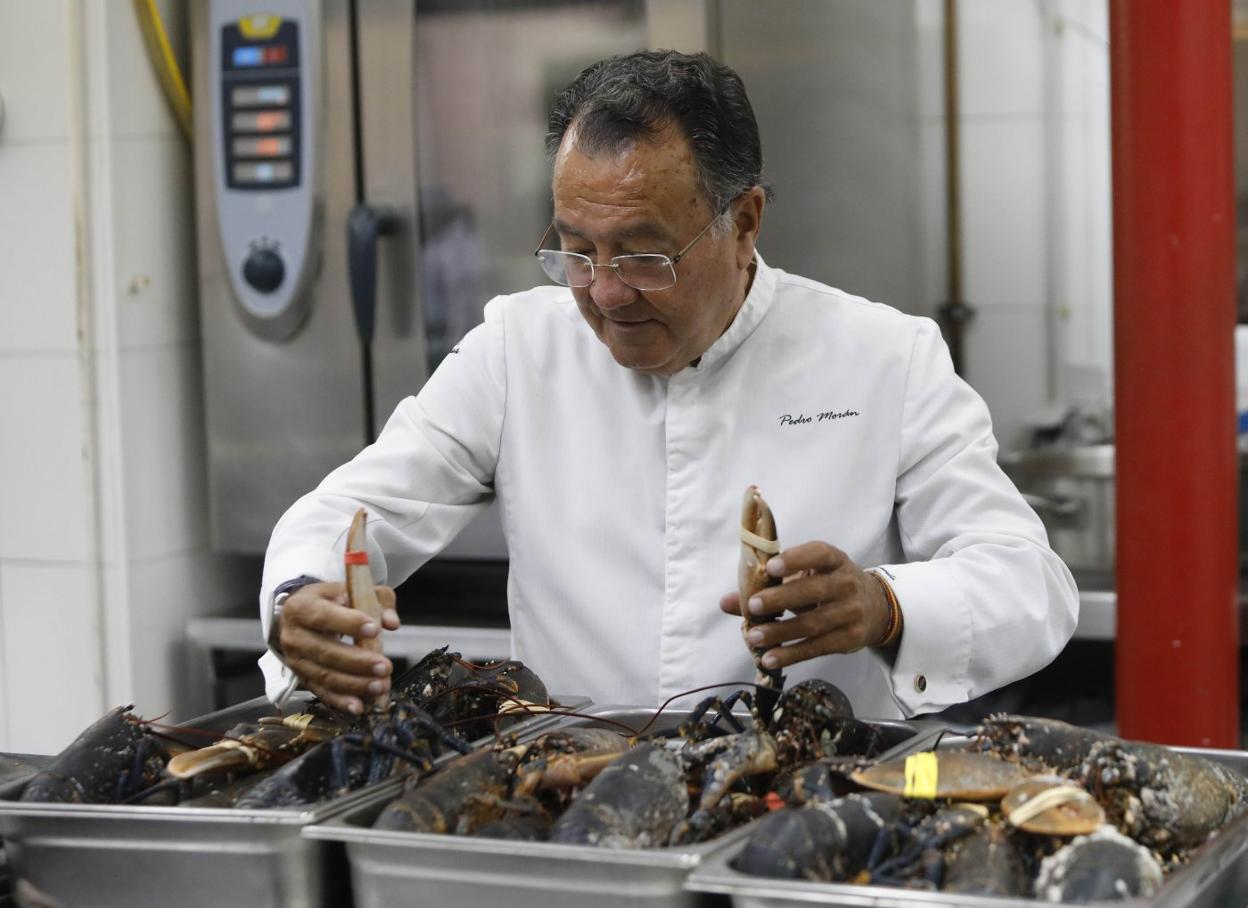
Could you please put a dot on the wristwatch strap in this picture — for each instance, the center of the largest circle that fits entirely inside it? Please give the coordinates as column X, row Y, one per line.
column 280, row 595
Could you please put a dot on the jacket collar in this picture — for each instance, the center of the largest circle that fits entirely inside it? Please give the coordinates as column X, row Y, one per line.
column 757, row 303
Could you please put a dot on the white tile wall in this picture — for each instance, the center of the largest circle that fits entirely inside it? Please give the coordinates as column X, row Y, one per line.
column 5, row 690
column 162, row 449
column 136, row 105
column 37, row 261
column 101, row 468
column 51, row 666
column 929, row 21
column 159, row 594
column 1016, row 202
column 1000, row 58
column 154, row 271
column 1003, row 206
column 44, row 472
column 1005, row 362
column 35, row 72
column 931, row 226
column 165, row 666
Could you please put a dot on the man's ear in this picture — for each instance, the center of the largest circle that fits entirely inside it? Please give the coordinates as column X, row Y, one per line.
column 747, row 217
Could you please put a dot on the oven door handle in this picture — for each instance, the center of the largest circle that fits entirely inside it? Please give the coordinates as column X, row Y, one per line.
column 364, row 225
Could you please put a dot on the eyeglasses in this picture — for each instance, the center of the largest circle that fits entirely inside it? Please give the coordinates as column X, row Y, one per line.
column 647, row 271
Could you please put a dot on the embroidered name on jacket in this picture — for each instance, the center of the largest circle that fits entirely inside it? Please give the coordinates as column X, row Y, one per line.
column 801, row 419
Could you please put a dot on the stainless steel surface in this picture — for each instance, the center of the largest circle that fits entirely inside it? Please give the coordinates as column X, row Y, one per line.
column 1097, row 615
column 112, row 855
column 281, row 415
column 1072, row 489
column 414, row 869
column 1217, row 876
column 836, row 88
column 411, row 640
column 388, row 71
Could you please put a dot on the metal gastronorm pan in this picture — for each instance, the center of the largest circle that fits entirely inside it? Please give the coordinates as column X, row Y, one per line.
column 113, row 855
column 1217, row 877
column 391, row 868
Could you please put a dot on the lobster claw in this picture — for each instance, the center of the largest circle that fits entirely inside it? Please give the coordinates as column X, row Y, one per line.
column 759, row 542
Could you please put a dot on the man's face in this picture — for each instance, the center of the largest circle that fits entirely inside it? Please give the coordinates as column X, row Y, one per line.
column 648, row 199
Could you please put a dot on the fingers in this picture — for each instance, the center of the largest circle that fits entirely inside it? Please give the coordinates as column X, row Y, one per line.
column 842, row 583
column 343, row 676
column 731, row 603
column 340, row 689
column 842, row 619
column 842, row 641
column 389, row 615
column 818, row 557
column 322, row 607
column 831, row 602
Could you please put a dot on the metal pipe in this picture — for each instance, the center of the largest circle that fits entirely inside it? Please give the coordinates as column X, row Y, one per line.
column 954, row 312
column 1177, row 669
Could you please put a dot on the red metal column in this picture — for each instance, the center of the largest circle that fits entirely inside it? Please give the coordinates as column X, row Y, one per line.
column 1174, row 371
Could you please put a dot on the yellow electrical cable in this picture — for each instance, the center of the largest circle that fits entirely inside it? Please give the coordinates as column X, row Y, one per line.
column 166, row 65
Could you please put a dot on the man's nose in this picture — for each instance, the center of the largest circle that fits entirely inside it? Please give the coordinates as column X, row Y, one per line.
column 608, row 291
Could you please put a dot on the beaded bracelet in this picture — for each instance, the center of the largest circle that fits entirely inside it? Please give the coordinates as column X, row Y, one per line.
column 893, row 629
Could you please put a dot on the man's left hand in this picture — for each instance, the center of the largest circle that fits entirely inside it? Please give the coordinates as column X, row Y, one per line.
column 837, row 607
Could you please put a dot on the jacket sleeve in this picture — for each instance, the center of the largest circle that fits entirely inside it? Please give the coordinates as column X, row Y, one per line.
column 430, row 472
column 985, row 600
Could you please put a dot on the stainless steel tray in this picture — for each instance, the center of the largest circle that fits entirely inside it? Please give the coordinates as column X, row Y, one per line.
column 115, row 855
column 1217, row 877
column 390, row 868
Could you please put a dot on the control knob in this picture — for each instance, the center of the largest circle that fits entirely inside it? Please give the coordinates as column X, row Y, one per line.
column 264, row 270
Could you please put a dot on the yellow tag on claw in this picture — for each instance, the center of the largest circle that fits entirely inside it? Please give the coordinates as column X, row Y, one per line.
column 922, row 775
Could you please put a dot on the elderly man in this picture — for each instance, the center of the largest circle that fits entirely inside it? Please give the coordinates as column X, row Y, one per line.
column 619, row 417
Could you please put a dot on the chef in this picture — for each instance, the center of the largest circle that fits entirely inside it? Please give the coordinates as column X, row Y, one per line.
column 619, row 413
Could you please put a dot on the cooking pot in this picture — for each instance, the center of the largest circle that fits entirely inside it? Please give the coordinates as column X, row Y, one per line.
column 1072, row 489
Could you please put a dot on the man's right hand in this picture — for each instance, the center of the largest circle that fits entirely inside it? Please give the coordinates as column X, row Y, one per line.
column 343, row 676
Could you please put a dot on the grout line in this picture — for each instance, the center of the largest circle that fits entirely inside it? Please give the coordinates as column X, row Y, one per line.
column 49, row 563
column 28, row 142
column 142, row 347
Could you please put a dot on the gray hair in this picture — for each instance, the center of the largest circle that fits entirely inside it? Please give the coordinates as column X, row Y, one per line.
column 639, row 96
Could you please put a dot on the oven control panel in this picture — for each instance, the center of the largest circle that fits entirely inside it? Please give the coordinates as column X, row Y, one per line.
column 263, row 80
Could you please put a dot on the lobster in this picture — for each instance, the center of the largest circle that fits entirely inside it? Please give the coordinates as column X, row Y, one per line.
column 115, row 758
column 253, row 746
column 1103, row 866
column 469, row 794
column 1164, row 799
column 823, row 841
column 635, row 802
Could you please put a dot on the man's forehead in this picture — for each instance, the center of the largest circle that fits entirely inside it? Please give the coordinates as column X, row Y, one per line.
column 641, row 193
column 643, row 229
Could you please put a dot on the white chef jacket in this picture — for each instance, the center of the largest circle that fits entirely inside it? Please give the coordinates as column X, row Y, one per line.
column 620, row 497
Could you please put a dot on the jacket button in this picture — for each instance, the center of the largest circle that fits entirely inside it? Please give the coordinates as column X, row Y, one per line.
column 920, row 683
